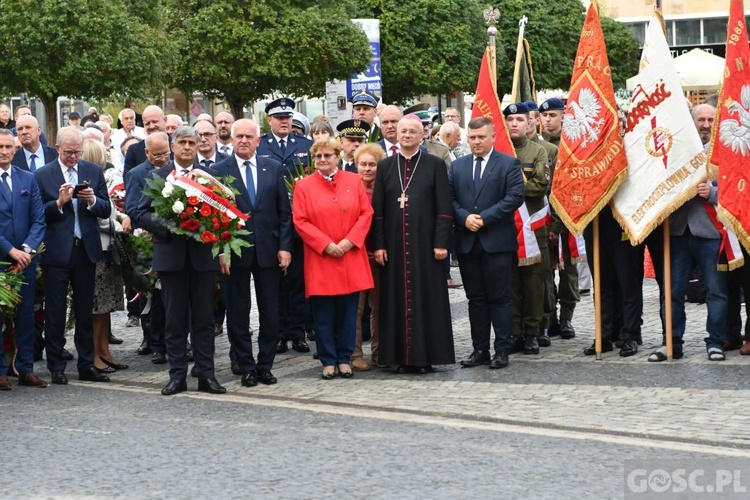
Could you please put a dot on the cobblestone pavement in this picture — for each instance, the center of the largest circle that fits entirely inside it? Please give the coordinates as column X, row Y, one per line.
column 624, row 406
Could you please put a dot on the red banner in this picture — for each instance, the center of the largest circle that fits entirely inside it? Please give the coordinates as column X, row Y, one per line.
column 487, row 104
column 730, row 140
column 591, row 162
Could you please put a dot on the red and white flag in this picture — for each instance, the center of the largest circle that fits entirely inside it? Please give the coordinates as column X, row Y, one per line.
column 666, row 159
column 591, row 162
column 487, row 104
column 730, row 143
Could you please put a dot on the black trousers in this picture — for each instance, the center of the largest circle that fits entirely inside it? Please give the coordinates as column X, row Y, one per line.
column 738, row 286
column 80, row 273
column 292, row 304
column 486, row 278
column 187, row 296
column 236, row 291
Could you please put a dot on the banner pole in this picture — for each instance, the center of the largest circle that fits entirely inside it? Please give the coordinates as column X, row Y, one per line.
column 492, row 16
column 597, row 294
column 667, row 290
column 519, row 54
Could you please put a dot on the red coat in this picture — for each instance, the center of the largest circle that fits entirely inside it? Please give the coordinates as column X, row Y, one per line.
column 325, row 212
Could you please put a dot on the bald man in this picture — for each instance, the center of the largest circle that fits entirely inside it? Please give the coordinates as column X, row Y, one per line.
column 33, row 153
column 154, row 120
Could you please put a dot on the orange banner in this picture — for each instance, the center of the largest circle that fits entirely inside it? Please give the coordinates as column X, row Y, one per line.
column 591, row 163
column 730, row 137
column 487, row 104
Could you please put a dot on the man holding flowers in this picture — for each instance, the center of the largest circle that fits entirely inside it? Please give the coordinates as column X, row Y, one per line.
column 187, row 269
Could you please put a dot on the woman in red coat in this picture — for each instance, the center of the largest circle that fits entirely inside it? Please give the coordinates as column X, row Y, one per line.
column 332, row 214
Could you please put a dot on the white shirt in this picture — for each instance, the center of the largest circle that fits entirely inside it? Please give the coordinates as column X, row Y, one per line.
column 253, row 170
column 201, row 158
column 388, row 146
column 229, row 151
column 485, row 159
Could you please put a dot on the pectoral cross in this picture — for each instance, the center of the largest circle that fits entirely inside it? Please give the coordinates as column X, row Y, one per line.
column 402, row 199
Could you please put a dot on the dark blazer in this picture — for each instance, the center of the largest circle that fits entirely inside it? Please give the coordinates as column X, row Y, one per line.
column 297, row 151
column 500, row 193
column 22, row 220
column 171, row 250
column 19, row 159
column 59, row 237
column 135, row 156
column 219, row 158
column 135, row 182
column 271, row 223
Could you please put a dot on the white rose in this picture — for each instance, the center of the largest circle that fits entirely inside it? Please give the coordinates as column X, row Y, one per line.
column 137, row 232
column 202, row 180
column 167, row 190
column 178, row 207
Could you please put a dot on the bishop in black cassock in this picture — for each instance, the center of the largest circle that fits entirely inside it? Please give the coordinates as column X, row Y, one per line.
column 413, row 217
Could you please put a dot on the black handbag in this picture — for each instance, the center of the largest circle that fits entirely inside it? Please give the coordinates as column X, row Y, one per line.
column 115, row 255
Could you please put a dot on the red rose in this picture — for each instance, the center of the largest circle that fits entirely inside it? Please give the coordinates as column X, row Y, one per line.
column 205, row 210
column 190, row 225
column 189, row 211
column 207, row 237
column 226, row 236
column 193, row 200
column 183, row 216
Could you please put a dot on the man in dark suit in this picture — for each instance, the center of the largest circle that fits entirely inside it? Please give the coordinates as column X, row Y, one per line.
column 389, row 118
column 291, row 150
column 208, row 155
column 187, row 271
column 22, row 228
column 153, row 121
column 487, row 188
column 71, row 211
column 23, row 110
column 157, row 151
column 262, row 193
column 33, row 154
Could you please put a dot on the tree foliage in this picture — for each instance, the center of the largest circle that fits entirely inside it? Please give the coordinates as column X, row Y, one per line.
column 241, row 51
column 435, row 46
column 89, row 49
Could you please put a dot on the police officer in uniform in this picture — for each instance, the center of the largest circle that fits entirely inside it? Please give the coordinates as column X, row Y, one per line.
column 365, row 108
column 549, row 284
column 527, row 281
column 352, row 134
column 552, row 111
column 292, row 151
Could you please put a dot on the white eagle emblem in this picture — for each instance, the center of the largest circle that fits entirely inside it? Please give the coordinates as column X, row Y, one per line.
column 733, row 133
column 582, row 123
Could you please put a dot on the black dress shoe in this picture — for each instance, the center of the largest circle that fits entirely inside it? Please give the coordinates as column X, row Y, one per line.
column 174, row 386
column 629, row 348
column 59, row 378
column 402, row 369
column 530, row 344
column 606, row 347
column 210, row 385
column 300, row 346
column 422, row 370
column 499, row 360
column 236, row 370
column 144, row 348
column 311, row 335
column 194, row 371
column 66, row 355
column 92, row 375
column 116, row 366
column 114, row 340
column 543, row 338
column 249, row 379
column 476, row 358
column 266, row 377
column 190, row 356
column 282, row 347
column 517, row 345
column 566, row 329
column 159, row 358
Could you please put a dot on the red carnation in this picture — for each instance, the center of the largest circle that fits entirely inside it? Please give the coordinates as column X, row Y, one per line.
column 183, row 216
column 190, row 225
column 189, row 211
column 207, row 236
column 193, row 200
column 205, row 210
column 226, row 236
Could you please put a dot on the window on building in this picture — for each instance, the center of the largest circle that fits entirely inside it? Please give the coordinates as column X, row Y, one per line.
column 670, row 33
column 639, row 32
column 688, row 32
column 715, row 30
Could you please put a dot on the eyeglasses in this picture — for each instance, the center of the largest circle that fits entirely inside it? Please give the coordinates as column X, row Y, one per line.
column 67, row 152
column 327, row 156
column 207, row 135
column 161, row 156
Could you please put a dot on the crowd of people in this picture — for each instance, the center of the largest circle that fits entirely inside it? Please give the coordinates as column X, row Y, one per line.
column 352, row 233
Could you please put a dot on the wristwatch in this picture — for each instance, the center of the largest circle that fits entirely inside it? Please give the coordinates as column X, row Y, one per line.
column 26, row 248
